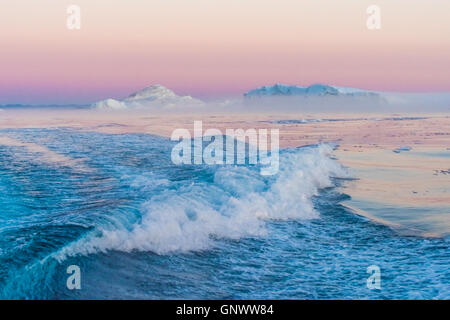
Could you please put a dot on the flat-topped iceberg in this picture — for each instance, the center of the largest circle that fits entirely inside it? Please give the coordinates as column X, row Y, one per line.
column 401, row 149
column 313, row 90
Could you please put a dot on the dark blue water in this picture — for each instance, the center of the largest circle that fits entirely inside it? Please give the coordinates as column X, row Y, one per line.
column 139, row 226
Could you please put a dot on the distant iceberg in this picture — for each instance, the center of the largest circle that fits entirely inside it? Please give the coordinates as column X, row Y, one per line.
column 315, row 90
column 111, row 104
column 401, row 149
column 154, row 96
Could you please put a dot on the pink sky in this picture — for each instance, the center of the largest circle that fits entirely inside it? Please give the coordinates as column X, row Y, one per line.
column 211, row 48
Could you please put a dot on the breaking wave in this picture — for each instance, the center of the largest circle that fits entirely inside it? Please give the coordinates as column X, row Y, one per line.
column 139, row 226
column 234, row 204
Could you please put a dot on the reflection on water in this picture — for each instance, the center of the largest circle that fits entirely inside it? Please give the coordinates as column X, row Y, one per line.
column 409, row 190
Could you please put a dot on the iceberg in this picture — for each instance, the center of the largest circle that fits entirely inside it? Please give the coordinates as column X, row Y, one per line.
column 154, row 96
column 314, row 90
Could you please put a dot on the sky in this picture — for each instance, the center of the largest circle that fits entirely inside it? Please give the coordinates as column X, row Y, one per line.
column 216, row 48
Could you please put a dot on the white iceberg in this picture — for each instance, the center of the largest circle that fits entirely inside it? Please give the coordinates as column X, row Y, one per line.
column 279, row 89
column 154, row 96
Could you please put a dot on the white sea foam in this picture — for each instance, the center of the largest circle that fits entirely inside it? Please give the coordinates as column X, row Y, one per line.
column 237, row 204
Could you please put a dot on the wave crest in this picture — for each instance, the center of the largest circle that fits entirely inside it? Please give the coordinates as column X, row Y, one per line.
column 235, row 204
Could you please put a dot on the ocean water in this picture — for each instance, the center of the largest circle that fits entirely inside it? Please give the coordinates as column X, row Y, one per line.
column 140, row 227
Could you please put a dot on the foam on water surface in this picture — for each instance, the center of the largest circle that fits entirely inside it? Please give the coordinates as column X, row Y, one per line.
column 140, row 227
